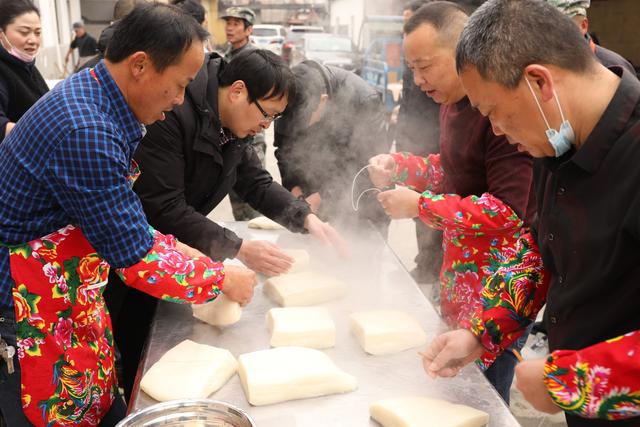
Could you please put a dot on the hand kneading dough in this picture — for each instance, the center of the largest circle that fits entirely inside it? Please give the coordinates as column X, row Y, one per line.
column 386, row 331
column 219, row 312
column 425, row 412
column 305, row 288
column 301, row 326
column 264, row 223
column 288, row 373
column 189, row 371
column 300, row 259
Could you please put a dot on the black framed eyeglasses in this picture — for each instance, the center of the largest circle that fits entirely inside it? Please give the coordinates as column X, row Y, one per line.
column 266, row 115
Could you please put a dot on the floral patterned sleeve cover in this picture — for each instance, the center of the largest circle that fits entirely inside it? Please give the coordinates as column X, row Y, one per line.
column 601, row 381
column 419, row 173
column 512, row 295
column 168, row 274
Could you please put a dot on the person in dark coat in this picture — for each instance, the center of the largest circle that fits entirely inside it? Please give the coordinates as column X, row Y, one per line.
column 189, row 163
column 327, row 134
column 418, row 132
column 21, row 84
column 85, row 43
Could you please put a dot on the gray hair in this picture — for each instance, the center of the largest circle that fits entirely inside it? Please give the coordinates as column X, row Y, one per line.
column 503, row 37
column 447, row 18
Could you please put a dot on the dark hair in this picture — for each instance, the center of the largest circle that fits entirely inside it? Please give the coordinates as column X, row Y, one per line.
column 11, row 9
column 447, row 18
column 163, row 31
column 503, row 37
column 124, row 7
column 265, row 74
column 415, row 5
column 193, row 8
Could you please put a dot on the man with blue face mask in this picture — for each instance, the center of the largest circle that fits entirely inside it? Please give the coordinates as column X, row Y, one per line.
column 559, row 103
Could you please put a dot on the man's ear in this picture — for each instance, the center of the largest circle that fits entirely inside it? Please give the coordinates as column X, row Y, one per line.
column 541, row 80
column 139, row 64
column 237, row 90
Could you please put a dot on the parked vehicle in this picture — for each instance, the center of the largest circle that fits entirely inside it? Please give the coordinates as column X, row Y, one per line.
column 327, row 49
column 269, row 37
column 294, row 34
column 380, row 42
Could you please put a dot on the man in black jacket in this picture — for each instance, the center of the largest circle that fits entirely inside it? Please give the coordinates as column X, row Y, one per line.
column 192, row 159
column 329, row 131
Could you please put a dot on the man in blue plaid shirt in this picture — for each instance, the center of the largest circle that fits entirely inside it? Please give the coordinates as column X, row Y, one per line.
column 68, row 162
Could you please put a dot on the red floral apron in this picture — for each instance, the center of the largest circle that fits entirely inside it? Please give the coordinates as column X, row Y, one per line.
column 63, row 331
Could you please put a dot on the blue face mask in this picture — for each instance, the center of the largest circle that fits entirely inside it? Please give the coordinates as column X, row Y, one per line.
column 561, row 140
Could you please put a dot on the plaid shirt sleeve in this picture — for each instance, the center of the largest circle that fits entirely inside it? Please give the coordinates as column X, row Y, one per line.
column 87, row 174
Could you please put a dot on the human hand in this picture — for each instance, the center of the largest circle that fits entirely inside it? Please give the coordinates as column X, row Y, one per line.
column 297, row 191
column 264, row 257
column 188, row 250
column 381, row 169
column 326, row 234
column 314, row 201
column 239, row 283
column 530, row 382
column 450, row 352
column 400, row 203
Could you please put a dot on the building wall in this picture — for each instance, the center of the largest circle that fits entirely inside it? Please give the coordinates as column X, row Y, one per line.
column 616, row 24
column 346, row 17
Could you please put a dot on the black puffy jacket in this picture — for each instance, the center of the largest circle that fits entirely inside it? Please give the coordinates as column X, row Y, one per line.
column 186, row 173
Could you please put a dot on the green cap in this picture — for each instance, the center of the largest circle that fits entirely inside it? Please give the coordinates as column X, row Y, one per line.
column 240, row 13
column 571, row 8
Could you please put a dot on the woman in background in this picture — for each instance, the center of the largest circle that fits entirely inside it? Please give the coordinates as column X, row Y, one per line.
column 21, row 84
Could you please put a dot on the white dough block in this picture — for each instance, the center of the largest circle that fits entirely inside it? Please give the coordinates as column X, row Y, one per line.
column 288, row 373
column 301, row 326
column 386, row 331
column 189, row 371
column 219, row 312
column 264, row 223
column 300, row 259
column 425, row 412
column 305, row 288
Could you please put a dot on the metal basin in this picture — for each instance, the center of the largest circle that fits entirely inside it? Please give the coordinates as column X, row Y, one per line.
column 189, row 413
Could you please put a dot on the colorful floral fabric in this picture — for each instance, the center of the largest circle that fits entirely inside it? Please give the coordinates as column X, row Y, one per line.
column 475, row 230
column 601, row 381
column 63, row 331
column 167, row 274
column 515, row 290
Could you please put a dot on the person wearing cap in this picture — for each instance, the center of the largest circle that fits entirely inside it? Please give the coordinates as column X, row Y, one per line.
column 238, row 28
column 327, row 134
column 87, row 46
column 577, row 11
column 526, row 66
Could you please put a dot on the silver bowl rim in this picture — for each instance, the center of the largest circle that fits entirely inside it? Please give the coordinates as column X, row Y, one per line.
column 182, row 403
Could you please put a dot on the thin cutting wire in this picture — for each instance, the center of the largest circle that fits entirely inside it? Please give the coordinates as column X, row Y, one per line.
column 356, row 205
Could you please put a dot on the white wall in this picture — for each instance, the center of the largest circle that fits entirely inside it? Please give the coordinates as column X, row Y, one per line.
column 349, row 14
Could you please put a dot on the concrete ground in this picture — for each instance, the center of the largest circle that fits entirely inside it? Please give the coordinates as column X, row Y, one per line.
column 402, row 241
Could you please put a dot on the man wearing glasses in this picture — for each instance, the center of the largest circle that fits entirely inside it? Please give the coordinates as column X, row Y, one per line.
column 193, row 158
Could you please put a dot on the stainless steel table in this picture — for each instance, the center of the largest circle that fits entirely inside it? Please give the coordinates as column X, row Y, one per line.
column 377, row 280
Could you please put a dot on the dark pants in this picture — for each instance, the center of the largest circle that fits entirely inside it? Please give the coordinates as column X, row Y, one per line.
column 429, row 257
column 11, row 414
column 500, row 373
column 132, row 314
